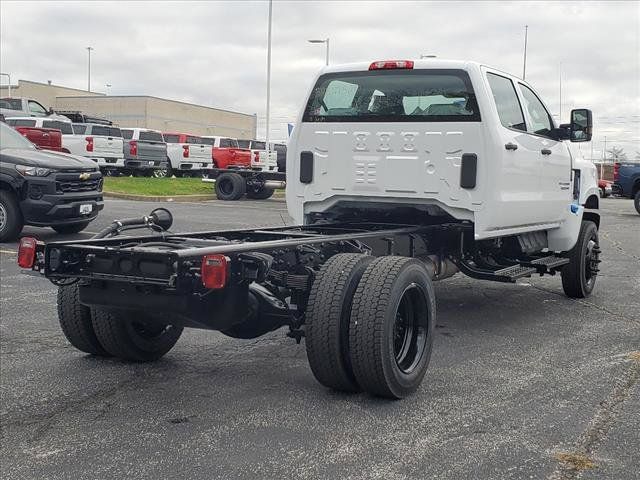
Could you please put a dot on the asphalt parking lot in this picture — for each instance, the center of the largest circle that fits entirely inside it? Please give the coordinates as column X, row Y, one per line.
column 523, row 383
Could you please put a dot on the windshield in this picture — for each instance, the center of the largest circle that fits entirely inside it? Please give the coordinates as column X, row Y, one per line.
column 9, row 138
column 393, row 96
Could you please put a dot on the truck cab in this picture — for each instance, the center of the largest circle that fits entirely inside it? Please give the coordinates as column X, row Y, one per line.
column 445, row 139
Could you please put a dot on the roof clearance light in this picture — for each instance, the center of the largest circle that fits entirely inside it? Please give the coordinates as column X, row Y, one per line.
column 27, row 252
column 214, row 271
column 392, row 65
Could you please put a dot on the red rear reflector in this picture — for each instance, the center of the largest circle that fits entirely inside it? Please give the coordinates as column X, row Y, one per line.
column 392, row 65
column 214, row 271
column 27, row 252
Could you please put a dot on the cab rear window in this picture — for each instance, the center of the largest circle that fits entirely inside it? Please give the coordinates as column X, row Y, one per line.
column 21, row 123
column 64, row 127
column 393, row 96
column 151, row 136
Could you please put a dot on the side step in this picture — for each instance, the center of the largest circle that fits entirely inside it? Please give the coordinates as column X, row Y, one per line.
column 547, row 264
column 515, row 271
column 543, row 265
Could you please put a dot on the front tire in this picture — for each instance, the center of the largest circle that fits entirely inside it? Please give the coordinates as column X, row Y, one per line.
column 132, row 337
column 579, row 275
column 69, row 229
column 75, row 321
column 391, row 328
column 11, row 220
column 327, row 320
column 230, row 186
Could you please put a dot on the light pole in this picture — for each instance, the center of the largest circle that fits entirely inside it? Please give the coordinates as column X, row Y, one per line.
column 9, row 77
column 108, row 86
column 268, row 78
column 89, row 69
column 326, row 40
column 524, row 63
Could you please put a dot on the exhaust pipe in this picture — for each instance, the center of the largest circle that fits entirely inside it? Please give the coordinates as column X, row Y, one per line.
column 275, row 184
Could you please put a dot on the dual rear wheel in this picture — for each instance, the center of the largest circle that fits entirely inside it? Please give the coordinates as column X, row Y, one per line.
column 369, row 324
column 113, row 333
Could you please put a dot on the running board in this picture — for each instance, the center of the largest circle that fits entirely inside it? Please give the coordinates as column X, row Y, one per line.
column 543, row 265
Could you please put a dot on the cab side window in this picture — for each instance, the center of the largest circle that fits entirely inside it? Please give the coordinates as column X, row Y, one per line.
column 541, row 123
column 36, row 109
column 506, row 99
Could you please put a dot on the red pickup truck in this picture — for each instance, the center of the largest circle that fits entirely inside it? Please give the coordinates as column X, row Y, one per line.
column 44, row 138
column 226, row 153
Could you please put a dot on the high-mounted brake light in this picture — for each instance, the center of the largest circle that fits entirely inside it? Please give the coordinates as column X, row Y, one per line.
column 392, row 65
column 133, row 147
column 27, row 252
column 185, row 151
column 214, row 271
column 89, row 144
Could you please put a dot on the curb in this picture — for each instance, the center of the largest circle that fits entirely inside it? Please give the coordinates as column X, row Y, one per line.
column 175, row 198
column 150, row 198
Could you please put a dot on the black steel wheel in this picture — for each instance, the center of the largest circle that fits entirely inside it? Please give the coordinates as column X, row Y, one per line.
column 133, row 336
column 75, row 321
column 391, row 328
column 579, row 275
column 230, row 186
column 327, row 320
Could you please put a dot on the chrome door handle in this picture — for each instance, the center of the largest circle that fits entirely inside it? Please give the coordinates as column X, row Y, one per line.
column 545, row 151
column 511, row 146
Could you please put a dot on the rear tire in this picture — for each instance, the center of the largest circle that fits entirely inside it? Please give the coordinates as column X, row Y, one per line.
column 327, row 320
column 75, row 321
column 69, row 229
column 133, row 340
column 636, row 201
column 579, row 275
column 11, row 220
column 391, row 328
column 260, row 194
column 230, row 186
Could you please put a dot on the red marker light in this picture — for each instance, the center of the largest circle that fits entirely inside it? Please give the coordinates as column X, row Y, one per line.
column 392, row 65
column 214, row 271
column 27, row 252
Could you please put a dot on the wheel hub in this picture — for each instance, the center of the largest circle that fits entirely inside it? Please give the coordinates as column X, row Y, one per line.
column 592, row 260
column 3, row 217
column 410, row 329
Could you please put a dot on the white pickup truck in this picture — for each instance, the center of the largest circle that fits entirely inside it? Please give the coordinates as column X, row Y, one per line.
column 101, row 143
column 188, row 155
column 260, row 159
column 399, row 173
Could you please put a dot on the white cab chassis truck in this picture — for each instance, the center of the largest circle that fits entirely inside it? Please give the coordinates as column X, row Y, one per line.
column 400, row 173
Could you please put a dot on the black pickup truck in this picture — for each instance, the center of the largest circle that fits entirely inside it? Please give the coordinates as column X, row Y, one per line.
column 44, row 189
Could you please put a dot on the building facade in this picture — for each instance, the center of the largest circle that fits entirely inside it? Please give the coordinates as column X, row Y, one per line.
column 141, row 111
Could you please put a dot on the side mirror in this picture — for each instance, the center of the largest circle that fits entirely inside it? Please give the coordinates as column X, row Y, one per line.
column 581, row 125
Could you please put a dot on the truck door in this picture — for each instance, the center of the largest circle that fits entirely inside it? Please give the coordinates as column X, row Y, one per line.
column 553, row 157
column 516, row 173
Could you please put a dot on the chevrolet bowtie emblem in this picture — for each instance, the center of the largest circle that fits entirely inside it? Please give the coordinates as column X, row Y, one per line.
column 85, row 176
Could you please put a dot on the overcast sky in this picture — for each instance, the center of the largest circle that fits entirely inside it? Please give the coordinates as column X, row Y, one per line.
column 214, row 53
